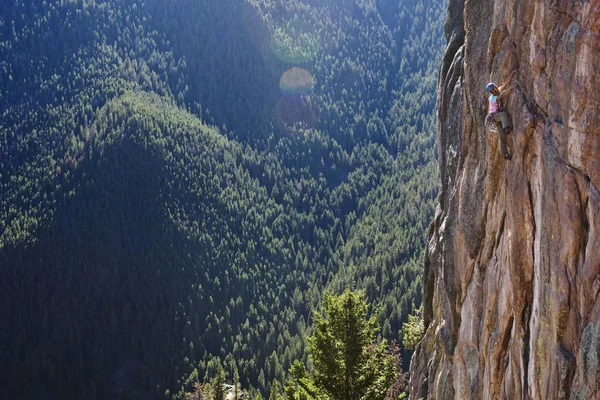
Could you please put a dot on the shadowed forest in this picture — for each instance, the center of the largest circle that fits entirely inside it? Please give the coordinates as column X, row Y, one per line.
column 181, row 180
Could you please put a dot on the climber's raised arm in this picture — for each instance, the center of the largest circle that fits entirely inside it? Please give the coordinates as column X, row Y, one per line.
column 504, row 92
column 508, row 81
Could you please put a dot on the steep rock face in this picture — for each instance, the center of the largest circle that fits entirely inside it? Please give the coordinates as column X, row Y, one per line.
column 512, row 273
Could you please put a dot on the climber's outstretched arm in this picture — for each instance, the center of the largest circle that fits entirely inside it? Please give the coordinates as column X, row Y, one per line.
column 503, row 87
column 505, row 92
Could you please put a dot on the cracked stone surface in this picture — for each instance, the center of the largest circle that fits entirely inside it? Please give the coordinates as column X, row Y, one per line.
column 512, row 272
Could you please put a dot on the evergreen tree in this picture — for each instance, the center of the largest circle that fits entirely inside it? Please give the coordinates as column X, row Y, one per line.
column 347, row 361
column 218, row 384
column 413, row 330
column 236, row 383
column 275, row 391
column 201, row 392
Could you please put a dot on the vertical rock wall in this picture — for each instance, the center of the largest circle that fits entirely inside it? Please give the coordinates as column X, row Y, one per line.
column 512, row 273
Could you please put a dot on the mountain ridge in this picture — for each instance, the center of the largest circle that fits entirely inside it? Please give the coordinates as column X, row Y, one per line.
column 155, row 225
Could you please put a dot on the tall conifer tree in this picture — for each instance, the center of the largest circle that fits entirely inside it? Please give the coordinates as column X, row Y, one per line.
column 347, row 361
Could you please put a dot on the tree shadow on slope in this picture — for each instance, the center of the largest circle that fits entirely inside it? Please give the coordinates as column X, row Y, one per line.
column 231, row 72
column 91, row 308
column 163, row 251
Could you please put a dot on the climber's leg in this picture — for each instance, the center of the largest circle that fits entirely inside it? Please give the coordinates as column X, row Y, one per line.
column 502, row 140
column 504, row 118
column 501, row 135
column 506, row 125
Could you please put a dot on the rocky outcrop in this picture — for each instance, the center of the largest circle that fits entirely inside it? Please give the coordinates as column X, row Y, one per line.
column 512, row 273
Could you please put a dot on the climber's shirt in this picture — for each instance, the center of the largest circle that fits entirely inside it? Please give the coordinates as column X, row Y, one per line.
column 495, row 104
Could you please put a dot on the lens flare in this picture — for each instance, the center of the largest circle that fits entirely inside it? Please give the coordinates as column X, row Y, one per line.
column 296, row 80
column 296, row 114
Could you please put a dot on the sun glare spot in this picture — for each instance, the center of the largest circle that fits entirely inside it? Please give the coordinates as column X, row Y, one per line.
column 296, row 80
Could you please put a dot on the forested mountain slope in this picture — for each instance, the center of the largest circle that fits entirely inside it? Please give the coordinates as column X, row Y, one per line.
column 180, row 180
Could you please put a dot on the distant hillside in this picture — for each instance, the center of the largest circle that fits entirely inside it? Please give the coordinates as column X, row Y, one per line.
column 163, row 234
column 179, row 181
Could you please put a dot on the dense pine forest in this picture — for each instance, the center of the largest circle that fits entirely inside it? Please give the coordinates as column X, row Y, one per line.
column 180, row 181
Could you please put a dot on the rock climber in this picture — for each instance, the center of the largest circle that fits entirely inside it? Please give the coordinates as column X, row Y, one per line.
column 498, row 114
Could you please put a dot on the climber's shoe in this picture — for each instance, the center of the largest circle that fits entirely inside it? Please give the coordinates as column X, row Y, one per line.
column 508, row 130
column 508, row 157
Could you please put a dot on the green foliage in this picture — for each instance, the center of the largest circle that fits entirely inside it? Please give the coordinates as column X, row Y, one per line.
column 413, row 330
column 218, row 384
column 165, row 208
column 275, row 392
column 347, row 362
column 237, row 392
column 201, row 392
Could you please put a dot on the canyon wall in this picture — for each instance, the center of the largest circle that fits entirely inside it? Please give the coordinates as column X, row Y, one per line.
column 512, row 272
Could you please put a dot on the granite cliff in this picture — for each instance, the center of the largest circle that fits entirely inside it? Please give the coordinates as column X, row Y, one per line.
column 512, row 273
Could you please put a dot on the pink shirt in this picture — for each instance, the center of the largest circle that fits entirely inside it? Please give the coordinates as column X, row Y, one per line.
column 493, row 104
